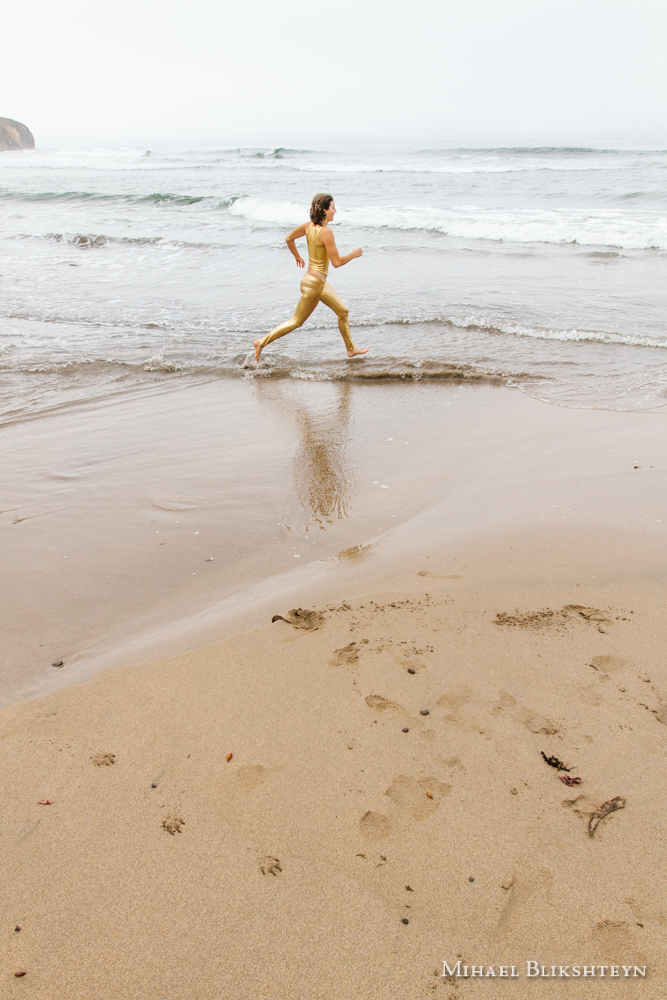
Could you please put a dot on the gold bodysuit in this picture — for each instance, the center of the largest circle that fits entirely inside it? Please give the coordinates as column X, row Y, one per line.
column 314, row 290
column 318, row 258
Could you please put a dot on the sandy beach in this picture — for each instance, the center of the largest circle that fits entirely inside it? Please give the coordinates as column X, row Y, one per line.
column 203, row 803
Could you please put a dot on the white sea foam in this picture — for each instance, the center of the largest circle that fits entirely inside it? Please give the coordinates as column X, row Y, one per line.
column 495, row 324
column 281, row 213
column 623, row 228
column 464, row 166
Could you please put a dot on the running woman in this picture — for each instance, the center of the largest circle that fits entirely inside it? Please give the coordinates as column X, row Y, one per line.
column 314, row 285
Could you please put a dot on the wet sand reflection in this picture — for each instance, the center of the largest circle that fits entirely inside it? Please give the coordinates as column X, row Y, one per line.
column 322, row 473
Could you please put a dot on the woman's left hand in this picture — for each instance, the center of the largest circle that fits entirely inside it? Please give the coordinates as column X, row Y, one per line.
column 300, row 262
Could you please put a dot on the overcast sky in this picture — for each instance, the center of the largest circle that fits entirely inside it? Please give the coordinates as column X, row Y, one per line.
column 278, row 72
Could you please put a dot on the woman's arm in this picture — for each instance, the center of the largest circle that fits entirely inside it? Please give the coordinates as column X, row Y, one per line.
column 296, row 234
column 327, row 238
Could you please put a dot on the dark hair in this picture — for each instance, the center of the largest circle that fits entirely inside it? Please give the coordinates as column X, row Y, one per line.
column 318, row 208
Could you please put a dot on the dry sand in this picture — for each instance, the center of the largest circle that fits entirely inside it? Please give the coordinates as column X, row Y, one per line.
column 161, row 868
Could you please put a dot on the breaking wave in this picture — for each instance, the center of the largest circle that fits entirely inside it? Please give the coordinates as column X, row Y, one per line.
column 602, row 227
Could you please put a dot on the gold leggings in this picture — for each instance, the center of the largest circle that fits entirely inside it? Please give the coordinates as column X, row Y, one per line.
column 313, row 290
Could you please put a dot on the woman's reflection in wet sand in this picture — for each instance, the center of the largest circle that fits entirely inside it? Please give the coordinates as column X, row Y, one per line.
column 319, row 417
column 322, row 476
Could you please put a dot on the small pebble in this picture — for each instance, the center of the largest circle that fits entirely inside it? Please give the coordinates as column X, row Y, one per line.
column 406, row 730
column 19, row 974
column 423, row 711
column 210, row 559
column 405, row 920
column 411, row 670
column 17, row 928
column 154, row 784
column 57, row 663
column 471, row 880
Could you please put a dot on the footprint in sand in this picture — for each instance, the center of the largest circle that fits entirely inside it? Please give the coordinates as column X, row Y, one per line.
column 173, row 823
column 384, row 706
column 270, row 866
column 521, row 889
column 451, row 765
column 454, row 700
column 406, row 655
column 590, row 695
column 411, row 799
column 546, row 618
column 356, row 552
column 661, row 713
column 375, row 825
column 509, row 707
column 347, row 654
column 551, row 618
column 613, row 940
column 417, row 798
column 308, row 621
column 593, row 615
column 103, row 759
column 582, row 806
column 250, row 776
column 608, row 664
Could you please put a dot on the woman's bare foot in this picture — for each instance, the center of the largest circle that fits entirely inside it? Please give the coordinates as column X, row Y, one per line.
column 357, row 350
column 258, row 349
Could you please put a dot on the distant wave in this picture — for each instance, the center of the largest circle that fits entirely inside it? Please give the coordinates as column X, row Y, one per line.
column 600, row 227
column 92, row 240
column 356, row 159
column 481, row 166
column 464, row 160
column 155, row 198
column 541, row 151
column 279, row 153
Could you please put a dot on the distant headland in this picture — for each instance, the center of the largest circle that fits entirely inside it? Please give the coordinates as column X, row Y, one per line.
column 15, row 135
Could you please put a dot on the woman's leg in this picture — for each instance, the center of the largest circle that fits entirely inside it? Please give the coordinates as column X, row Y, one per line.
column 330, row 299
column 310, row 296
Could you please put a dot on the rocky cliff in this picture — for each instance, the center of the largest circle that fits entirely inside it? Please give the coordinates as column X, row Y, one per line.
column 14, row 135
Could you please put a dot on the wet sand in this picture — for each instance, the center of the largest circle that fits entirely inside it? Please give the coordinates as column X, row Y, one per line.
column 517, row 598
column 147, row 524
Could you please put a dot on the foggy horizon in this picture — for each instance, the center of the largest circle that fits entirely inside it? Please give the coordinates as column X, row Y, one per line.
column 509, row 74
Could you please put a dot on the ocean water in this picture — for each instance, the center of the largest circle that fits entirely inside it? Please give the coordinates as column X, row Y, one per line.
column 123, row 269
